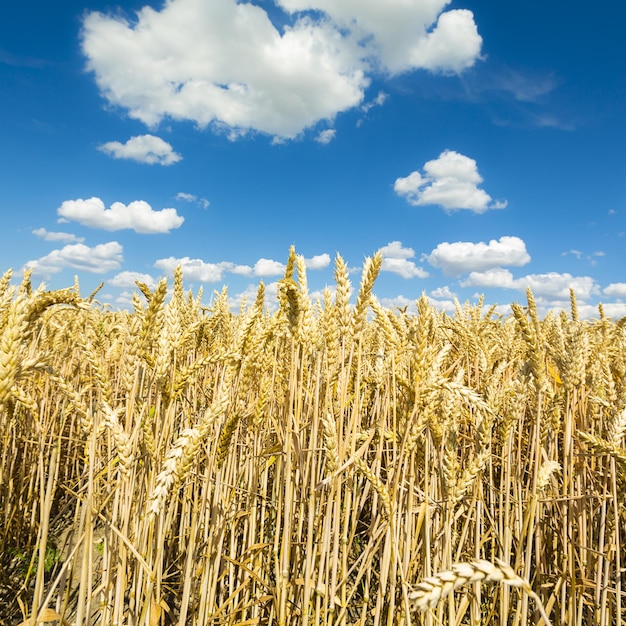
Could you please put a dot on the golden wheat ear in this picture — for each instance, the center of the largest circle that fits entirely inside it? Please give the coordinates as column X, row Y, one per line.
column 431, row 590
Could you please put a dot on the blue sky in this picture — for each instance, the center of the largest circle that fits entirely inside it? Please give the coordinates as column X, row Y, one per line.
column 479, row 144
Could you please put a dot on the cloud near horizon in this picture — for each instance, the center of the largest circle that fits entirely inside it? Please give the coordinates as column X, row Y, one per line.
column 463, row 257
column 451, row 182
column 226, row 64
column 396, row 259
column 99, row 259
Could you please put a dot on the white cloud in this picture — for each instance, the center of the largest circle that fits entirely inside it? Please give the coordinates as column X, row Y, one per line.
column 378, row 101
column 463, row 257
column 196, row 269
column 189, row 197
column 138, row 216
column 615, row 290
column 318, row 262
column 405, row 34
column 450, row 181
column 326, row 136
column 555, row 286
column 250, row 293
column 497, row 278
column 143, row 149
column 98, row 260
column 443, row 292
column 395, row 250
column 396, row 260
column 128, row 279
column 268, row 267
column 404, row 268
column 399, row 301
column 57, row 236
column 551, row 287
column 199, row 270
column 225, row 63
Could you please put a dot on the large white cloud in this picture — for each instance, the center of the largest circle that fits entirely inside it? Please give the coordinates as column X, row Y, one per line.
column 226, row 63
column 396, row 259
column 462, row 257
column 548, row 287
column 138, row 216
column 98, row 259
column 405, row 34
column 143, row 149
column 450, row 181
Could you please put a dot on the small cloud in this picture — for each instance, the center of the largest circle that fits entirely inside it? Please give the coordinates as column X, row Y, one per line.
column 47, row 235
column 143, row 149
column 326, row 136
column 97, row 260
column 189, row 197
column 378, row 101
column 496, row 278
column 317, row 262
column 443, row 292
column 268, row 267
column 462, row 257
column 451, row 182
column 396, row 260
column 128, row 279
column 138, row 216
column 577, row 253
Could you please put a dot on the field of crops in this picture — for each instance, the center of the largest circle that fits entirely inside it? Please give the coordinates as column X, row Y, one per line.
column 313, row 465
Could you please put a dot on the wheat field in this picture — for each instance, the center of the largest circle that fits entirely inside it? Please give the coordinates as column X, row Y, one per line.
column 324, row 463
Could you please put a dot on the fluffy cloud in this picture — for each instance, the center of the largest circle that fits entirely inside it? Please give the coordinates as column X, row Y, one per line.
column 550, row 287
column 450, row 181
column 268, row 267
column 98, row 260
column 318, row 262
column 138, row 216
column 128, row 279
column 199, row 270
column 57, row 236
column 396, row 260
column 617, row 290
column 196, row 269
column 463, row 257
column 143, row 149
column 226, row 63
column 404, row 35
column 497, row 278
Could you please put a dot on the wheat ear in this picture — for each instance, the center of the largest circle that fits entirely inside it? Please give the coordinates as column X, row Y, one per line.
column 429, row 591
